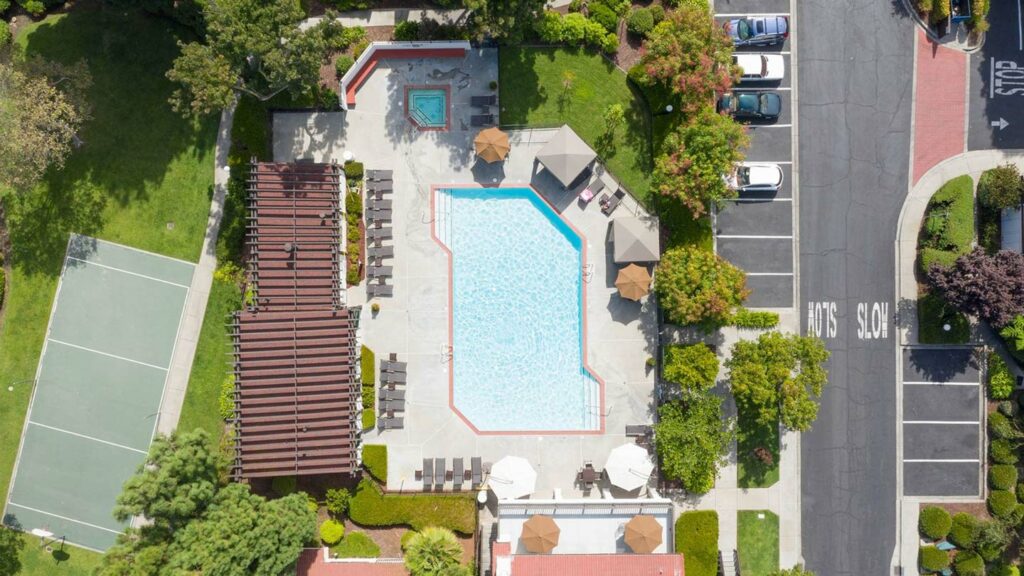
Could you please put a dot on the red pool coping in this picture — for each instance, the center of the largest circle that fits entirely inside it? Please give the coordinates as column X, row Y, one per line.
column 447, row 101
column 583, row 315
column 382, row 53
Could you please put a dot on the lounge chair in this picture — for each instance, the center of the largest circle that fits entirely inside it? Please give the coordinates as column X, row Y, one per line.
column 439, row 473
column 376, row 234
column 388, row 406
column 380, row 205
column 392, row 423
column 458, row 472
column 428, row 473
column 378, row 215
column 386, row 394
column 383, row 186
column 380, row 251
column 478, row 476
column 608, row 206
column 379, row 271
column 380, row 290
column 377, row 175
column 392, row 377
column 637, row 430
column 481, row 120
column 391, row 366
column 489, row 100
column 591, row 191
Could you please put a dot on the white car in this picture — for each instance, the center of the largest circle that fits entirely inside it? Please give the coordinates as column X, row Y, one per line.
column 760, row 67
column 754, row 176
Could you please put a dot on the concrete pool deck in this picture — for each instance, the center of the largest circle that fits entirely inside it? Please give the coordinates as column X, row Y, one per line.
column 621, row 334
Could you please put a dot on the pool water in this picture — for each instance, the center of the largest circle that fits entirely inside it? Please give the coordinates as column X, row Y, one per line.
column 517, row 302
column 428, row 107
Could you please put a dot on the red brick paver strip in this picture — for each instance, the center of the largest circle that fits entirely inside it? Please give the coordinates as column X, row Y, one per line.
column 940, row 104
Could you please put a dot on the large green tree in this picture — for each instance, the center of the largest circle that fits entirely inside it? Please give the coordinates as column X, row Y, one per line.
column 691, row 55
column 779, row 378
column 697, row 156
column 11, row 545
column 693, row 440
column 696, row 285
column 693, row 367
column 42, row 108
column 507, row 20
column 252, row 47
column 434, row 551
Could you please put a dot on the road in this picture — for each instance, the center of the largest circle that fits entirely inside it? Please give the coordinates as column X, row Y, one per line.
column 996, row 93
column 855, row 92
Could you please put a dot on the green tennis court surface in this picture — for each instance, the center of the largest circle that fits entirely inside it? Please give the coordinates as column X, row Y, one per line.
column 100, row 382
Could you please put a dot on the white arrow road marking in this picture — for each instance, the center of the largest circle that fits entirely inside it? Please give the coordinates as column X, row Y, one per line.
column 1001, row 123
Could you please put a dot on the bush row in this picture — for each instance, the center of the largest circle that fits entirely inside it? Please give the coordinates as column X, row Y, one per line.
column 744, row 318
column 575, row 29
column 948, row 228
column 1000, row 379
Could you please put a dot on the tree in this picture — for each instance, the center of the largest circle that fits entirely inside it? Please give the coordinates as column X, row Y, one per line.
column 337, row 501
column 614, row 115
column 696, row 157
column 696, row 285
column 691, row 55
column 1013, row 333
column 778, row 378
column 990, row 287
column 693, row 440
column 693, row 367
column 252, row 47
column 175, row 484
column 797, row 570
column 434, row 551
column 11, row 545
column 507, row 20
column 1000, row 187
column 42, row 108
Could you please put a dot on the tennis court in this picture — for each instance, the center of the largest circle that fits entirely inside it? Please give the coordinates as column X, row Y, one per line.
column 98, row 389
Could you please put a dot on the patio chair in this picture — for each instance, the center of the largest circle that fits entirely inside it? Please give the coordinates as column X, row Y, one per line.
column 392, row 394
column 380, row 205
column 384, row 186
column 377, row 234
column 391, row 366
column 458, row 474
column 380, row 251
column 391, row 423
column 439, row 473
column 428, row 473
column 378, row 215
column 379, row 272
column 478, row 101
column 591, row 191
column 377, row 175
column 481, row 120
column 394, row 405
column 393, row 377
column 380, row 290
column 478, row 477
column 613, row 202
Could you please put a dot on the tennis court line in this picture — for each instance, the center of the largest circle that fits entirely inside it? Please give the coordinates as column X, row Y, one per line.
column 139, row 250
column 114, row 444
column 91, row 263
column 83, row 523
column 100, row 352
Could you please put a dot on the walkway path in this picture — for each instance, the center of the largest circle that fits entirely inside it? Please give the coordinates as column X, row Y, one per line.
column 199, row 292
column 940, row 104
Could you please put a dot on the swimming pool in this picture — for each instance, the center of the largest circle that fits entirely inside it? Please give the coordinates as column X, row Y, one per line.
column 517, row 312
column 428, row 107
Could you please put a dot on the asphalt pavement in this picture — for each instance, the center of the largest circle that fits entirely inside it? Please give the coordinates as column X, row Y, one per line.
column 996, row 91
column 855, row 92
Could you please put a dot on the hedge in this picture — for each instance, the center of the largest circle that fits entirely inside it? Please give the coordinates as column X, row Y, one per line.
column 932, row 559
column 354, row 170
column 697, row 541
column 370, row 507
column 1000, row 380
column 969, row 564
column 375, row 459
column 343, row 64
column 1001, row 503
column 574, row 29
column 356, row 545
column 1002, row 477
column 744, row 318
column 1002, row 452
column 949, row 223
column 999, row 426
column 331, row 532
column 934, row 523
column 368, row 364
column 964, row 531
column 226, row 400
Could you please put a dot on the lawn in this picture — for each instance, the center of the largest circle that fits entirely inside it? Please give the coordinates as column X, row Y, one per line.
column 143, row 178
column 751, row 472
column 932, row 314
column 948, row 227
column 757, row 536
column 532, row 93
column 71, row 561
column 697, row 541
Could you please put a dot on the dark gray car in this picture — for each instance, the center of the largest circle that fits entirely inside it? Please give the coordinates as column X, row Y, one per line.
column 757, row 30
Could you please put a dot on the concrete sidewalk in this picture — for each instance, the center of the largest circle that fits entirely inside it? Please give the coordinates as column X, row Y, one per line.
column 199, row 291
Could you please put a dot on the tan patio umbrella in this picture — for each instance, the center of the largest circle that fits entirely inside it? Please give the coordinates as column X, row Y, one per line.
column 491, row 145
column 643, row 534
column 633, row 282
column 540, row 534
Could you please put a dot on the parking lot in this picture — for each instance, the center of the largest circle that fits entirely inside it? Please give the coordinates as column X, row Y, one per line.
column 755, row 231
column 941, row 421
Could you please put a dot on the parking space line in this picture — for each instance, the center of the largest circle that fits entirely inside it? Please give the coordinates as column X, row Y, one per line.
column 755, row 126
column 102, row 353
column 63, row 517
column 739, row 15
column 769, row 273
column 741, row 237
column 950, row 422
column 758, row 200
column 943, row 461
column 94, row 439
column 774, row 88
column 942, row 384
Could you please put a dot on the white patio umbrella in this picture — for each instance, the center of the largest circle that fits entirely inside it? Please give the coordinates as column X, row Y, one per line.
column 629, row 466
column 512, row 477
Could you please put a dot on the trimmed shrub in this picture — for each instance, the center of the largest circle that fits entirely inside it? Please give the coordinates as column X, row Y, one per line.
column 760, row 320
column 969, row 563
column 337, row 501
column 1000, row 426
column 375, row 460
column 354, row 170
column 1007, row 408
column 657, row 12
column 1002, row 477
column 931, row 559
column 964, row 531
column 360, row 47
column 369, row 507
column 409, row 535
column 1001, row 503
column 284, row 485
column 1002, row 452
column 331, row 532
column 604, row 16
column 407, row 30
column 697, row 541
column 1003, row 570
column 343, row 64
column 575, row 29
column 226, row 401
column 640, row 21
column 1000, row 187
column 692, row 367
column 1000, row 380
column 934, row 523
column 356, row 545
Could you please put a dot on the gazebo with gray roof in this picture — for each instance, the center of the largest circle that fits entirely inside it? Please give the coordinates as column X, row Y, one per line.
column 635, row 240
column 566, row 156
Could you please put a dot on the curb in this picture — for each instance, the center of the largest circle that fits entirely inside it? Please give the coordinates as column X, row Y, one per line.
column 931, row 35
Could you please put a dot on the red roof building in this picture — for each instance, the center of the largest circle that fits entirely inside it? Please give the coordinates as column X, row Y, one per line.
column 505, row 563
column 315, row 563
